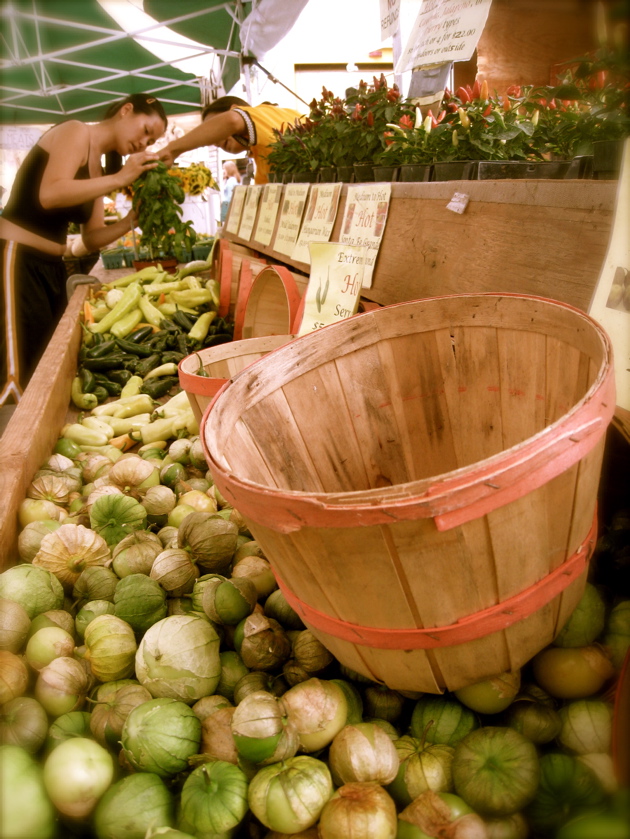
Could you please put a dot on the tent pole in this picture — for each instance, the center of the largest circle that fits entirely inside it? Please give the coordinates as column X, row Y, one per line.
column 247, row 60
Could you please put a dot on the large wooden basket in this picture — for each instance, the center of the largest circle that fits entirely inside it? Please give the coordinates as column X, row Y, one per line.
column 423, row 479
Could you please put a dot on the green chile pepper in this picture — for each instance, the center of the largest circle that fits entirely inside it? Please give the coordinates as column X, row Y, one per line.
column 108, row 362
column 159, row 387
column 140, row 335
column 88, row 380
column 119, row 376
column 104, row 348
column 145, row 365
column 131, row 347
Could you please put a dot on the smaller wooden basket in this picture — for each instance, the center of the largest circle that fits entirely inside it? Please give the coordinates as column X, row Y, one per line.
column 273, row 302
column 220, row 364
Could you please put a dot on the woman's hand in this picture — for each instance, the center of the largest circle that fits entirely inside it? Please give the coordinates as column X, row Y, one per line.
column 136, row 164
column 167, row 156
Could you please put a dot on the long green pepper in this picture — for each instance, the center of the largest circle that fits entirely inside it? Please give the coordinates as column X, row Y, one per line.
column 127, row 303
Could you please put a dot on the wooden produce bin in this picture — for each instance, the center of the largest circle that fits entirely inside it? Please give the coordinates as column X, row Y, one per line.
column 45, row 407
column 32, row 432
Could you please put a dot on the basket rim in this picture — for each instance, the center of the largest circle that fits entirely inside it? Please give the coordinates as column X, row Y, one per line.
column 453, row 497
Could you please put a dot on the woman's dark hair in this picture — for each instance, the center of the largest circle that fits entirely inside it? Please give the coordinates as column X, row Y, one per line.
column 222, row 104
column 142, row 103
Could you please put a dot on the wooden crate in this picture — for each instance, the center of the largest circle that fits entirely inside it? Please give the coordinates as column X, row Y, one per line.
column 32, row 432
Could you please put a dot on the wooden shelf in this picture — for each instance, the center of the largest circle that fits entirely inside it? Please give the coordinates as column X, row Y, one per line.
column 541, row 237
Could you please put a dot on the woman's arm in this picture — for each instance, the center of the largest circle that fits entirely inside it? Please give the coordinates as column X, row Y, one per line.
column 68, row 149
column 211, row 132
column 96, row 234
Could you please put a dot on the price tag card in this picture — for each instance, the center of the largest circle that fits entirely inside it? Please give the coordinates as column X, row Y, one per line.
column 610, row 304
column 290, row 218
column 236, row 209
column 269, row 206
column 334, row 286
column 318, row 219
column 364, row 220
column 445, row 30
column 248, row 216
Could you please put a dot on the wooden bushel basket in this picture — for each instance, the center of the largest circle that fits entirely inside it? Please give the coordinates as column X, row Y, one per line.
column 272, row 303
column 423, row 479
column 221, row 363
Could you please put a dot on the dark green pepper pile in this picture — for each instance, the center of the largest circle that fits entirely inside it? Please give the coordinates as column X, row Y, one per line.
column 107, row 363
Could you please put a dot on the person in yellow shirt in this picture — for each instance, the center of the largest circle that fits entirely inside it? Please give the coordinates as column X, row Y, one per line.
column 235, row 126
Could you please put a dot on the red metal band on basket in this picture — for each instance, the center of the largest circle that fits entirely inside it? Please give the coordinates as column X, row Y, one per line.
column 470, row 628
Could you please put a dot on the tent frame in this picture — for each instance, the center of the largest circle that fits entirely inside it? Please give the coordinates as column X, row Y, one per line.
column 160, row 84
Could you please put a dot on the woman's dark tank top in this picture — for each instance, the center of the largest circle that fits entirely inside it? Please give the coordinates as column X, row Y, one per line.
column 24, row 207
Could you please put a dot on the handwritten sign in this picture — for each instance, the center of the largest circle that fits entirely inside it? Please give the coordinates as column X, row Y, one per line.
column 269, row 206
column 445, row 30
column 318, row 219
column 390, row 17
column 248, row 216
column 334, row 286
column 290, row 218
column 236, row 209
column 364, row 220
column 610, row 305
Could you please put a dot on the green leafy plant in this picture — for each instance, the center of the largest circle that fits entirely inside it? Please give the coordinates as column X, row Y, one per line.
column 157, row 199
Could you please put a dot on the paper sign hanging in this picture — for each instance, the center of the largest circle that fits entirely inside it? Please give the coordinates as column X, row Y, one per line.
column 334, row 286
column 610, row 305
column 319, row 219
column 445, row 30
column 248, row 216
column 390, row 17
column 236, row 209
column 269, row 206
column 364, row 220
column 291, row 214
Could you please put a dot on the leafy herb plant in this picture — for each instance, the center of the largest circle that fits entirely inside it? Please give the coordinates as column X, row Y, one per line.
column 157, row 199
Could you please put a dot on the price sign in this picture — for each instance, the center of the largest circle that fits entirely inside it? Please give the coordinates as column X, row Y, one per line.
column 269, row 206
column 445, row 30
column 236, row 209
column 291, row 214
column 334, row 286
column 248, row 216
column 364, row 221
column 319, row 219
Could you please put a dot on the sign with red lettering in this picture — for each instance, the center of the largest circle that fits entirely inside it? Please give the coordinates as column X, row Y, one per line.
column 364, row 221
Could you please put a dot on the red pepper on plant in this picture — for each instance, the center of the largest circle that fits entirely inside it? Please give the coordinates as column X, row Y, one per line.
column 406, row 122
column 476, row 90
column 463, row 94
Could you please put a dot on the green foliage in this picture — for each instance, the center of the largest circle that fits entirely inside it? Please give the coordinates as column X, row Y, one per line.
column 157, row 196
